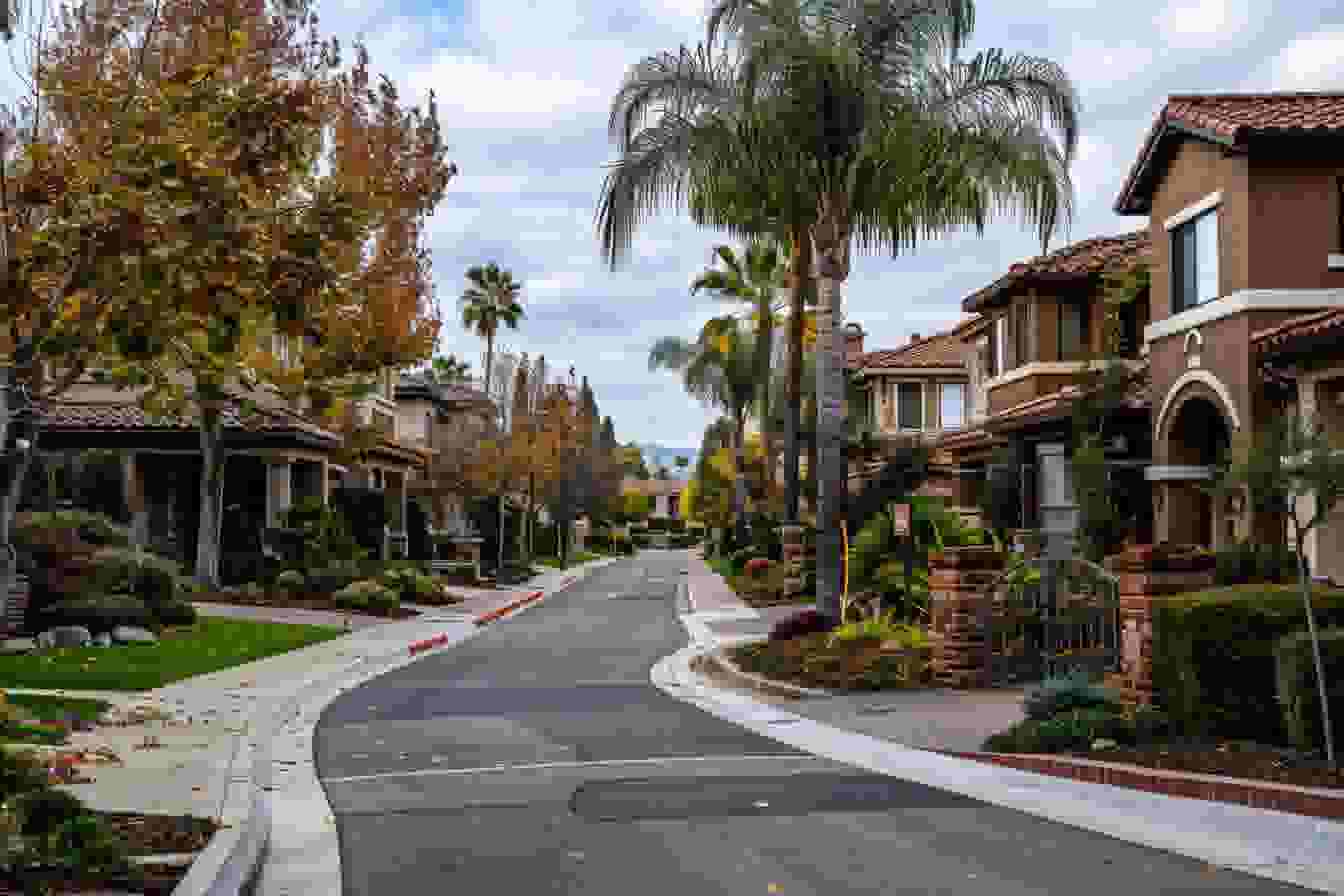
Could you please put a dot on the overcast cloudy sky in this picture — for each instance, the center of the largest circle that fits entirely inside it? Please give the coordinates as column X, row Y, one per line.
column 524, row 87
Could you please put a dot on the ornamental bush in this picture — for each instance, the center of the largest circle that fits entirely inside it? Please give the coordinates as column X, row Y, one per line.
column 98, row 612
column 290, row 580
column 756, row 566
column 800, row 624
column 366, row 595
column 1056, row 695
column 1297, row 691
column 147, row 576
column 1214, row 656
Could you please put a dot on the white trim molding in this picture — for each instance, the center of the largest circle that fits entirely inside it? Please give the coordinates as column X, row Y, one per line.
column 1198, row 375
column 1245, row 300
column 1176, row 473
column 1211, row 201
column 911, row 373
column 1334, row 261
column 1047, row 368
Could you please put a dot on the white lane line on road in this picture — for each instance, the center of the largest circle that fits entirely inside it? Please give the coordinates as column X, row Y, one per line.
column 596, row 763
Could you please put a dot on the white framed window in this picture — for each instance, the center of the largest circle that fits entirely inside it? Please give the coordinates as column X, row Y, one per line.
column 910, row 406
column 952, row 405
column 1194, row 261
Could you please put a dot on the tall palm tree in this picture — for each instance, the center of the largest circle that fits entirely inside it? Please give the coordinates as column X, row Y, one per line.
column 448, row 369
column 490, row 300
column 753, row 278
column 719, row 369
column 901, row 140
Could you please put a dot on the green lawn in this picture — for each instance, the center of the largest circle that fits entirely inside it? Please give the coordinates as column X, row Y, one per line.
column 208, row 646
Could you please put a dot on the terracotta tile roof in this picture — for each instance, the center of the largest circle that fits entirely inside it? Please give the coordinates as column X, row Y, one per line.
column 1055, row 405
column 1281, row 337
column 122, row 416
column 937, row 351
column 1230, row 119
column 1073, row 262
column 413, row 385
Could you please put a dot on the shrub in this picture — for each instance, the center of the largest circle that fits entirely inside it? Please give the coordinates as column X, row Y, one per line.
column 177, row 612
column 1246, row 562
column 1056, row 695
column 365, row 513
column 1213, row 656
column 124, row 571
column 92, row 528
column 20, row 772
column 44, row 810
column 290, row 580
column 410, row 584
column 884, row 629
column 321, row 538
column 800, row 624
column 98, row 612
column 1069, row 732
column 331, row 579
column 639, row 541
column 366, row 595
column 1297, row 689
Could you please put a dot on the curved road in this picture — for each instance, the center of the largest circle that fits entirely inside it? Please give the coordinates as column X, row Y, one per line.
column 537, row 758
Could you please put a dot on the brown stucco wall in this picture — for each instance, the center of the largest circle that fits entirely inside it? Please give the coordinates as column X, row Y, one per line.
column 1294, row 223
column 1196, row 170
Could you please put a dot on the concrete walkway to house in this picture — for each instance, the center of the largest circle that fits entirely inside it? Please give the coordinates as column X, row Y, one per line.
column 937, row 719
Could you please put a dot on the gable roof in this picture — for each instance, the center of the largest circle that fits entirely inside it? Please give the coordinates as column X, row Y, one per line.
column 1298, row 334
column 1074, row 263
column 417, row 386
column 1227, row 119
column 939, row 351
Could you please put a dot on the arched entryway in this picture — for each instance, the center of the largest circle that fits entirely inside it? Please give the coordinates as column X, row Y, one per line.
column 1197, row 438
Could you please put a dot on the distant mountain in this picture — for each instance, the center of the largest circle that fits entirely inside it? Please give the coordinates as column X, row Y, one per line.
column 656, row 456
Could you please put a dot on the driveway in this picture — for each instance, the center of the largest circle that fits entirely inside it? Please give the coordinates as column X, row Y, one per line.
column 537, row 758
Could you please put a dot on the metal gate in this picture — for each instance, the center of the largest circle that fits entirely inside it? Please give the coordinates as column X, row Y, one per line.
column 1045, row 620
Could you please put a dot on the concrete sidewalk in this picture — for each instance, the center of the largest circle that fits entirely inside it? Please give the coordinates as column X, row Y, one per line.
column 895, row 734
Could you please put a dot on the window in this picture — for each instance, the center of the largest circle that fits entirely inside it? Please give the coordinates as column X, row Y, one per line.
column 910, row 405
column 1194, row 262
column 1073, row 343
column 952, row 405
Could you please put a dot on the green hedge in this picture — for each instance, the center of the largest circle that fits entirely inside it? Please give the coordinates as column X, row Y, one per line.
column 1297, row 687
column 1214, row 656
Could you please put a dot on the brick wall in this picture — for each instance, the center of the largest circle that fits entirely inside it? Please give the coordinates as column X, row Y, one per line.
column 959, row 593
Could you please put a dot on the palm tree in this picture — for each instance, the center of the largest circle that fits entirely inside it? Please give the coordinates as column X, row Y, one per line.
column 448, row 369
column 900, row 140
column 719, row 369
column 490, row 300
column 752, row 279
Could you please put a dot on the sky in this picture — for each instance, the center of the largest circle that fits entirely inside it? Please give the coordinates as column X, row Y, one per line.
column 524, row 88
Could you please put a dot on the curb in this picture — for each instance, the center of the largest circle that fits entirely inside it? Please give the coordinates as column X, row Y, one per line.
column 719, row 657
column 425, row 644
column 508, row 608
column 1310, row 801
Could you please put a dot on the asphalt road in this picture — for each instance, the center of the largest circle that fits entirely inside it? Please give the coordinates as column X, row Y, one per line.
column 536, row 758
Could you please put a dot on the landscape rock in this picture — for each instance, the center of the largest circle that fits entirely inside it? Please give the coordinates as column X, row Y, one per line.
column 132, row 634
column 69, row 636
column 10, row 646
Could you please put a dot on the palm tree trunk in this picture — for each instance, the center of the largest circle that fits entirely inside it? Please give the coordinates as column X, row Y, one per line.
column 764, row 350
column 830, row 429
column 800, row 272
column 489, row 358
column 740, row 480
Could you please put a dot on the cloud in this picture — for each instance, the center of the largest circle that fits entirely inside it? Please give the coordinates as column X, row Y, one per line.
column 1312, row 62
column 1202, row 24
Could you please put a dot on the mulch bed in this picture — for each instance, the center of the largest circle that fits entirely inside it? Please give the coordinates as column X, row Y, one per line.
column 1232, row 760
column 292, row 602
column 810, row 662
column 144, row 835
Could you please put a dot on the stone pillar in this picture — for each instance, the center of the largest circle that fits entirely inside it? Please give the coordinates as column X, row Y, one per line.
column 133, row 487
column 1146, row 576
column 959, row 595
column 279, row 491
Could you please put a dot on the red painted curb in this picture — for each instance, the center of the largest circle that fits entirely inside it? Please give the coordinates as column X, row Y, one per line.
column 1255, row 794
column 437, row 641
column 507, row 608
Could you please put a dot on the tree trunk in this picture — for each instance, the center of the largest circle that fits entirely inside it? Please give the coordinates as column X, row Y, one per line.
column 765, row 338
column 14, row 490
column 212, row 497
column 830, row 243
column 801, row 274
column 1322, row 691
column 740, row 480
column 489, row 360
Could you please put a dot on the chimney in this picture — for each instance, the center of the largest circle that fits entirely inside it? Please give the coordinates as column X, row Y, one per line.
column 914, row 337
column 853, row 344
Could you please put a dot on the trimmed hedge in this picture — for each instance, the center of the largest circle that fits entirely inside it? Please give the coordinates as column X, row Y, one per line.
column 1214, row 656
column 367, row 595
column 98, row 612
column 1298, row 692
